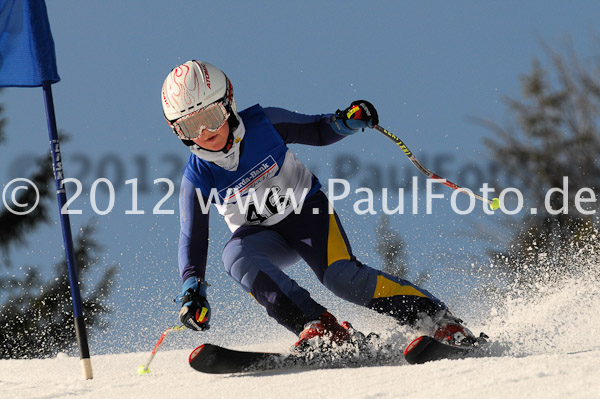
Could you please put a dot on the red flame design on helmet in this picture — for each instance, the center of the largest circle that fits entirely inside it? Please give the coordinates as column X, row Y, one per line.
column 182, row 94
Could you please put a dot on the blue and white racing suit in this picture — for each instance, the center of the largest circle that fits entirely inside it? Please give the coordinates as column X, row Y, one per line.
column 270, row 233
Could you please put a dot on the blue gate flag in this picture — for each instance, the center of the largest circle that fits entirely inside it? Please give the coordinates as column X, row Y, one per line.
column 27, row 56
column 27, row 59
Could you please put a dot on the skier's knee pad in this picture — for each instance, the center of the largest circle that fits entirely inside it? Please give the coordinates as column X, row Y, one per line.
column 231, row 253
column 238, row 264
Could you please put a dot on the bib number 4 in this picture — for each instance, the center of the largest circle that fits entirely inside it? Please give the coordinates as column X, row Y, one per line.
column 272, row 203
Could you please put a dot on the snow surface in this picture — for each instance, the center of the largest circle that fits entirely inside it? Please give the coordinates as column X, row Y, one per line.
column 542, row 347
column 563, row 375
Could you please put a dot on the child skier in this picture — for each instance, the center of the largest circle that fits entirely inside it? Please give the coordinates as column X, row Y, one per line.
column 238, row 160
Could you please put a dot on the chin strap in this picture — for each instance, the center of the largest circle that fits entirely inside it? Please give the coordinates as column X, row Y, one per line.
column 229, row 143
column 233, row 125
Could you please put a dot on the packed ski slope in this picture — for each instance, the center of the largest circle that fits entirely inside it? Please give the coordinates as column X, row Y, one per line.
column 560, row 375
column 547, row 347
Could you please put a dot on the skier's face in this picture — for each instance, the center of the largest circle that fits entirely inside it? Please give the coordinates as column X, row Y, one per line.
column 213, row 141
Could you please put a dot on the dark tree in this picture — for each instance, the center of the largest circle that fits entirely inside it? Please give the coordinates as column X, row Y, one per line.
column 552, row 134
column 36, row 314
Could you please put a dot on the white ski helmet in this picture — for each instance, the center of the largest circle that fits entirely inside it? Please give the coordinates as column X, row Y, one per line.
column 193, row 86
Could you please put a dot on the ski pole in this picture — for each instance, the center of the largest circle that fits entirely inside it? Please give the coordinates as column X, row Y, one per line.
column 143, row 369
column 493, row 203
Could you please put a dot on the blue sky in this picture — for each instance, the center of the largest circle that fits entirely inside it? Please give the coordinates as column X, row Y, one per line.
column 427, row 66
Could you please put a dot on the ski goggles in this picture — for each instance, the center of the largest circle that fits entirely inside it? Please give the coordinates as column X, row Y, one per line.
column 191, row 126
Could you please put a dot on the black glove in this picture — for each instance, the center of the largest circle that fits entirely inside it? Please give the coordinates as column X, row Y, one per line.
column 195, row 310
column 359, row 115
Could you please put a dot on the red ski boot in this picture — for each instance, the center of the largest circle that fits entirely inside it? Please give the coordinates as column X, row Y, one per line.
column 450, row 329
column 325, row 330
